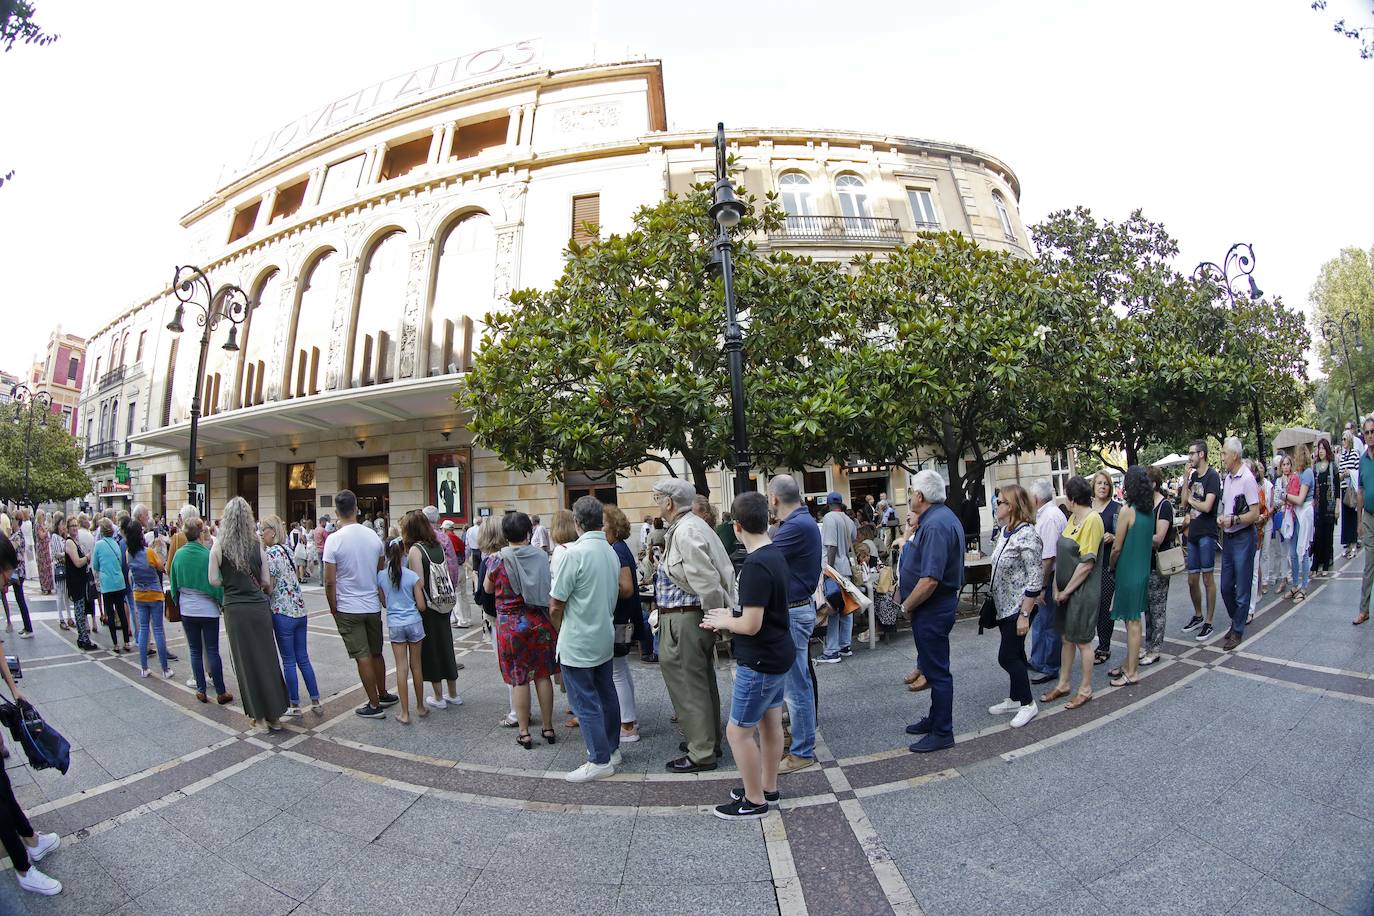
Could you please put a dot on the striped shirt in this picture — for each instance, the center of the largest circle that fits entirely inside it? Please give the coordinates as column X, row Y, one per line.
column 1350, row 466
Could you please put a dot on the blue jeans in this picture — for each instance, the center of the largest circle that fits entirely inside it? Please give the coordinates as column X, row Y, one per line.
column 202, row 637
column 839, row 633
column 1045, row 642
column 800, row 686
column 1300, row 568
column 150, row 613
column 1238, row 576
column 291, row 647
column 648, row 639
column 930, row 628
column 591, row 694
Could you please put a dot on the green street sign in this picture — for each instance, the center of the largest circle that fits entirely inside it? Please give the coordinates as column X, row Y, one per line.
column 122, row 472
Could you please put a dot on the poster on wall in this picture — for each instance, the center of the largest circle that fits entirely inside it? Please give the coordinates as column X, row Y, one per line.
column 449, row 483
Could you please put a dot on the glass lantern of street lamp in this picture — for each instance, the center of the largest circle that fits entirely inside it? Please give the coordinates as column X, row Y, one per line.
column 727, row 210
column 1255, row 291
column 175, row 324
column 232, row 344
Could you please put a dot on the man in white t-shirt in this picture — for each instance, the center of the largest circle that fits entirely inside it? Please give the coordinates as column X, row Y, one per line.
column 353, row 556
column 539, row 537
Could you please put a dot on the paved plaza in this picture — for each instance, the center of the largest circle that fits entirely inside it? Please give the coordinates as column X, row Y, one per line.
column 1223, row 783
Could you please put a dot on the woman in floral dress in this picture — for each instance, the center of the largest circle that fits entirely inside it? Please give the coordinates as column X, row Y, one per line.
column 42, row 543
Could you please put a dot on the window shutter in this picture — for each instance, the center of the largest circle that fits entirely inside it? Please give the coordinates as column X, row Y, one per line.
column 586, row 218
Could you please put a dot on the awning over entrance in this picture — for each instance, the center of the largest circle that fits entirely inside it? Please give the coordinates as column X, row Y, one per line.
column 327, row 412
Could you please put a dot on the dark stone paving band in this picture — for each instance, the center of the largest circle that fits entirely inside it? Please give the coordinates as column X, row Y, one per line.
column 830, row 862
column 1324, row 680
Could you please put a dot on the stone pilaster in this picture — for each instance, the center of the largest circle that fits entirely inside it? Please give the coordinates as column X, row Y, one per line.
column 412, row 319
column 272, row 387
column 338, row 337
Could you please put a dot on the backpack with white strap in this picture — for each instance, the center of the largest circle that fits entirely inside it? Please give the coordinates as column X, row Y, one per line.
column 440, row 595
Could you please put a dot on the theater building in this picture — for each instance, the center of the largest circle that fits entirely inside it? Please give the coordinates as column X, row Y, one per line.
column 373, row 233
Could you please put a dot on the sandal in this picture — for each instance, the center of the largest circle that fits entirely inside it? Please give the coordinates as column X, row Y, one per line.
column 525, row 741
column 572, row 722
column 1078, row 701
column 1362, row 618
column 1052, row 695
column 549, row 736
column 1122, row 680
column 1116, row 673
column 1100, row 657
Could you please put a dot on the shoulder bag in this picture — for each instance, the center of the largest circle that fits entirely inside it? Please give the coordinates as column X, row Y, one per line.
column 1169, row 561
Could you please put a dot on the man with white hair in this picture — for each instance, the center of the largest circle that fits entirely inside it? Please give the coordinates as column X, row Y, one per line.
column 931, row 576
column 1046, row 645
column 696, row 574
column 1240, row 509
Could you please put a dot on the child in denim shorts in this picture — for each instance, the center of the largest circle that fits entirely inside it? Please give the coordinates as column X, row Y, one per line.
column 764, row 653
column 400, row 590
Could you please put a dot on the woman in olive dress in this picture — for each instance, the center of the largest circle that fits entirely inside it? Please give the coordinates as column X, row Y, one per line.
column 238, row 564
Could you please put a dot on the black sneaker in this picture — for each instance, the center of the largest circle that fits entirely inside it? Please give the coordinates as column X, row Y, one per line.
column 1192, row 624
column 368, row 711
column 846, row 652
column 1204, row 632
column 741, row 811
column 387, row 699
column 737, row 793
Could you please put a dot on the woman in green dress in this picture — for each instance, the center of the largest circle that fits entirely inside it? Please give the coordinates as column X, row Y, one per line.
column 238, row 564
column 1132, row 553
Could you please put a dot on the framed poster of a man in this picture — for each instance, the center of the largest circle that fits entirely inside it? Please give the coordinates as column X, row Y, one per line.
column 449, row 483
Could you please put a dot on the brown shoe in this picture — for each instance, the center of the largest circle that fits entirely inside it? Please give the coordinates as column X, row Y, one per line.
column 919, row 684
column 791, row 763
column 224, row 698
column 1362, row 618
column 1230, row 642
column 202, row 697
column 911, row 678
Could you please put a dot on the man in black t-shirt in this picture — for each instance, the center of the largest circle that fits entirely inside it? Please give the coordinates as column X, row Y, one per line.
column 1200, row 498
column 763, row 653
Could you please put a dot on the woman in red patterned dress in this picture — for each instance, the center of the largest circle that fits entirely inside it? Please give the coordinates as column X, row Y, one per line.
column 525, row 638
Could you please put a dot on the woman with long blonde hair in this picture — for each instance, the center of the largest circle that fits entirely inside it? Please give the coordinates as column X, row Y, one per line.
column 1300, row 504
column 238, row 564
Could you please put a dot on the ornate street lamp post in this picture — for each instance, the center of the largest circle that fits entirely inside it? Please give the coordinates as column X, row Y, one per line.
column 192, row 287
column 1332, row 328
column 1237, row 267
column 25, row 399
column 727, row 211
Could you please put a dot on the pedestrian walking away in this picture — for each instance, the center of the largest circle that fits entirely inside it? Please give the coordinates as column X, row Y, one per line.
column 799, row 541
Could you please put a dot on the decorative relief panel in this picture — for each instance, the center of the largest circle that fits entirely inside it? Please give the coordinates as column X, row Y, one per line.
column 512, row 197
column 338, row 343
column 416, row 281
column 271, row 391
column 599, row 116
column 505, row 266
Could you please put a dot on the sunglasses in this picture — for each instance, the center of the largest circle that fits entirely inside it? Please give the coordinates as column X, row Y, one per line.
column 1001, row 502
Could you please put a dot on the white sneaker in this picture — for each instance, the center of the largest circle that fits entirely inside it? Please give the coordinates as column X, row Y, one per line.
column 629, row 737
column 169, row 674
column 616, row 759
column 435, row 703
column 292, row 712
column 47, row 842
column 589, row 771
column 28, row 634
column 1006, row 706
column 36, row 882
column 191, row 682
column 145, row 673
column 454, row 700
column 1024, row 714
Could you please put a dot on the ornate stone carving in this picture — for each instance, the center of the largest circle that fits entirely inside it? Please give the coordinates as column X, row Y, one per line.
column 294, row 251
column 598, row 116
column 511, row 197
column 338, row 343
column 424, row 211
column 271, row 389
column 416, row 280
column 505, row 266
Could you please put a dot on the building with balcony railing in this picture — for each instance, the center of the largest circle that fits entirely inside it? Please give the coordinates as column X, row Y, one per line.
column 373, row 234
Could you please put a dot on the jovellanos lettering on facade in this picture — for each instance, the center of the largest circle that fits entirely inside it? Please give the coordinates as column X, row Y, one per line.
column 404, row 89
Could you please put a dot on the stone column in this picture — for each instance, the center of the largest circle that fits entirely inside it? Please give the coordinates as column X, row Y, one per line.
column 315, row 184
column 436, row 142
column 446, row 142
column 407, row 487
column 331, row 476
column 413, row 337
column 272, row 387
column 513, row 126
column 269, row 200
column 338, row 336
column 270, row 500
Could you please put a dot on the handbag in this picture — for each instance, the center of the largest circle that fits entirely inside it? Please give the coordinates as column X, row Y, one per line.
column 886, row 609
column 171, row 609
column 1170, row 561
column 43, row 745
column 987, row 615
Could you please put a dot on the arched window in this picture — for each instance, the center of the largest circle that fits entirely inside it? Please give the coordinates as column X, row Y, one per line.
column 1004, row 216
column 853, row 200
column 259, row 343
column 314, row 322
column 124, row 350
column 380, row 303
column 464, row 288
column 795, row 189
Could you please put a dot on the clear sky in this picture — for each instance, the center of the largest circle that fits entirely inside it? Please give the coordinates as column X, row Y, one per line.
column 1227, row 120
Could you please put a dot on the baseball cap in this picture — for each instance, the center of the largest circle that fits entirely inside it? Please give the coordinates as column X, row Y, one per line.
column 835, row 499
column 447, row 525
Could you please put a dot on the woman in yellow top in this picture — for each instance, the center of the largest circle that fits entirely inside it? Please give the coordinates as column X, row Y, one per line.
column 1077, row 586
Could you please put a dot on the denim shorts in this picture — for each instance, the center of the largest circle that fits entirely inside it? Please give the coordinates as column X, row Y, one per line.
column 755, row 694
column 405, row 632
column 1201, row 554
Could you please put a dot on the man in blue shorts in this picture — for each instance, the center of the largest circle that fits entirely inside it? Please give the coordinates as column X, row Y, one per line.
column 764, row 653
column 1201, row 495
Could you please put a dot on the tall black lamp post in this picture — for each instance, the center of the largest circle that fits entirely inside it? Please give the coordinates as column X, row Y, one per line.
column 1333, row 328
column 727, row 211
column 1238, row 267
column 192, row 287
column 26, row 401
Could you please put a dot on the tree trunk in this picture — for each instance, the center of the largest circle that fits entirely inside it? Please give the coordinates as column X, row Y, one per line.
column 698, row 468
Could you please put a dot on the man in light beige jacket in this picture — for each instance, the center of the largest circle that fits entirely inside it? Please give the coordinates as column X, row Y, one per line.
column 695, row 574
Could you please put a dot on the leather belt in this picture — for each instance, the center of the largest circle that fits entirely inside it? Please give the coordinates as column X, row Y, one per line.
column 678, row 610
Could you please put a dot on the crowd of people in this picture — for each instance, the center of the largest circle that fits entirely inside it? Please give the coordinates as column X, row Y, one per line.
column 562, row 603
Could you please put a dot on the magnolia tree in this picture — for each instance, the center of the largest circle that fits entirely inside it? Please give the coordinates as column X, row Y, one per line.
column 55, row 472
